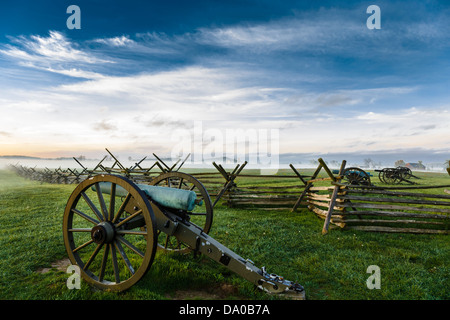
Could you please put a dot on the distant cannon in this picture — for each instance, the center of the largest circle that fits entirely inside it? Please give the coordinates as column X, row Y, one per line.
column 112, row 228
column 396, row 175
column 355, row 176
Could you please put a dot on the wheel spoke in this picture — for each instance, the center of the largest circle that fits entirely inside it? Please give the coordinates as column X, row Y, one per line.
column 124, row 257
column 178, row 244
column 101, row 200
column 122, row 208
column 129, row 245
column 112, row 201
column 83, row 245
column 167, row 241
column 94, row 254
column 80, row 230
column 103, row 266
column 139, row 233
column 92, row 206
column 115, row 265
column 85, row 216
column 129, row 218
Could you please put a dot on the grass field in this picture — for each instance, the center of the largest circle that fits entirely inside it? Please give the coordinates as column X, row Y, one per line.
column 412, row 266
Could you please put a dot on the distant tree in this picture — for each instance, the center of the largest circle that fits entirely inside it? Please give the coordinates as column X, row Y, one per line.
column 368, row 162
column 421, row 165
column 400, row 163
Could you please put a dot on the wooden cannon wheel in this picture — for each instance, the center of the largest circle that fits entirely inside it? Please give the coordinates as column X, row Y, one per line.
column 356, row 176
column 111, row 239
column 381, row 175
column 392, row 175
column 202, row 215
column 404, row 172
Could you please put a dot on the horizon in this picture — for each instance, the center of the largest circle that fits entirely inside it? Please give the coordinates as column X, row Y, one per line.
column 368, row 161
column 306, row 77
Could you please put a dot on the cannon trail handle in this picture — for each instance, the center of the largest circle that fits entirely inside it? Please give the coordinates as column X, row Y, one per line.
column 200, row 242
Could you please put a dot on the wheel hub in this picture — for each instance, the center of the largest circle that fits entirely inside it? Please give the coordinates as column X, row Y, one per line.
column 103, row 233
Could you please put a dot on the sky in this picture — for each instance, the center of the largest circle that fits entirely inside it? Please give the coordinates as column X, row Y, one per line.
column 142, row 77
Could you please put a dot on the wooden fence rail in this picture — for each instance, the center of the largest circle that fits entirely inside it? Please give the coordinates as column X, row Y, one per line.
column 361, row 207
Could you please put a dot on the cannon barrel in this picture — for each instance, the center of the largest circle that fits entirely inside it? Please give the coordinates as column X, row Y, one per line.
column 167, row 197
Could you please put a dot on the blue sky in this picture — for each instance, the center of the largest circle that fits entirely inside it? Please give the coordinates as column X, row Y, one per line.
column 137, row 71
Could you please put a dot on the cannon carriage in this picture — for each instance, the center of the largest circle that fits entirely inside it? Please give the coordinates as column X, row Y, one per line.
column 396, row 175
column 355, row 176
column 112, row 228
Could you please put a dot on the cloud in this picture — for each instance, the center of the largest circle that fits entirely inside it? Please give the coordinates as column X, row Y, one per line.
column 318, row 102
column 71, row 72
column 105, row 125
column 55, row 54
column 323, row 32
column 54, row 48
column 121, row 41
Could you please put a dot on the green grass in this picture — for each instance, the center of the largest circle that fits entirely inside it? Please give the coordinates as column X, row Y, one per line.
column 334, row 266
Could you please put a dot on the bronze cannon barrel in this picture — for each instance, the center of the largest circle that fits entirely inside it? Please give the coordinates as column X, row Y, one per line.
column 167, row 197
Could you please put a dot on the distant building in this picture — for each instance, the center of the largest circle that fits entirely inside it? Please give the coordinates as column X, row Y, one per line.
column 416, row 166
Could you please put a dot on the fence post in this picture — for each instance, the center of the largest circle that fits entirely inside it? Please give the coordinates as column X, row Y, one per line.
column 333, row 196
column 307, row 187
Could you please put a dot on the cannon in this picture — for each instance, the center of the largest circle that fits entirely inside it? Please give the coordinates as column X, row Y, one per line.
column 355, row 176
column 396, row 175
column 112, row 228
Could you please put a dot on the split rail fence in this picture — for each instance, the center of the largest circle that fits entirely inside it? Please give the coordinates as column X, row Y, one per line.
column 418, row 209
column 407, row 209
column 410, row 209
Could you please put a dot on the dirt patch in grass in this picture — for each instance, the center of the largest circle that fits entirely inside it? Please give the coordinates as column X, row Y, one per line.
column 60, row 265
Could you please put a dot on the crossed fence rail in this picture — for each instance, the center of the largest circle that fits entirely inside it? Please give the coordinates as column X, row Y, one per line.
column 340, row 203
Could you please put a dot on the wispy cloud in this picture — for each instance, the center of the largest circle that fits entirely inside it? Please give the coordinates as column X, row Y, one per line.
column 121, row 41
column 54, row 48
column 54, row 53
column 328, row 32
column 105, row 125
